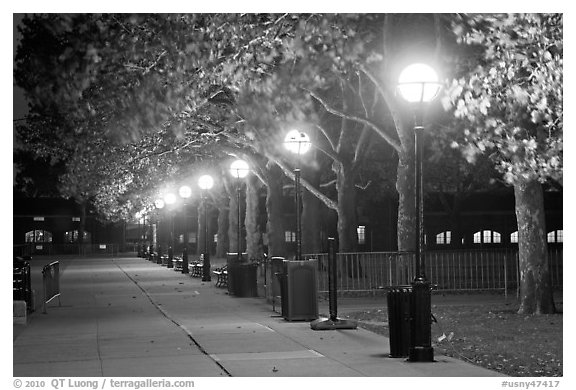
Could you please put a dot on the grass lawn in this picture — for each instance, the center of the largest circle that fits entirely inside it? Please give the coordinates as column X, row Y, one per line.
column 489, row 335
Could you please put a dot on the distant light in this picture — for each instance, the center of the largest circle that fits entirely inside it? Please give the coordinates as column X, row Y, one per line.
column 205, row 182
column 170, row 198
column 297, row 142
column 185, row 192
column 418, row 83
column 239, row 169
column 159, row 203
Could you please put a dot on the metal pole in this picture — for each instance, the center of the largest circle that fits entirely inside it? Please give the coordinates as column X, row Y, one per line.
column 206, row 261
column 420, row 274
column 298, row 217
column 420, row 300
column 239, row 232
column 332, row 280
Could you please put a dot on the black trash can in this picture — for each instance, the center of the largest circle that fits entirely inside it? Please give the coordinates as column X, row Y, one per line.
column 242, row 276
column 399, row 320
column 299, row 290
column 276, row 267
column 245, row 280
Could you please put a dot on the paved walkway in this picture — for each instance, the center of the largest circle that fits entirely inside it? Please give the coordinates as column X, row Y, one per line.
column 127, row 317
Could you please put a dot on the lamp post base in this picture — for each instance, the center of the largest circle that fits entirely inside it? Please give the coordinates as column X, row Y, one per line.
column 421, row 354
column 420, row 322
column 330, row 324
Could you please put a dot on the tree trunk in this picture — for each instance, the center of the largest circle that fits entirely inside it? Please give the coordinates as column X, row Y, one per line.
column 311, row 208
column 405, row 185
column 222, row 244
column 201, row 228
column 535, row 281
column 347, row 219
column 81, row 227
column 233, row 218
column 275, row 224
column 253, row 233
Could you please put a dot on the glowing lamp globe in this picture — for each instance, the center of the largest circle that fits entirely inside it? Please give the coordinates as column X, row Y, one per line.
column 297, row 142
column 170, row 198
column 418, row 83
column 159, row 203
column 185, row 192
column 205, row 182
column 239, row 169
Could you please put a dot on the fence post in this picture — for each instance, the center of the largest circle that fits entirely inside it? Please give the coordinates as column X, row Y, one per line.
column 505, row 277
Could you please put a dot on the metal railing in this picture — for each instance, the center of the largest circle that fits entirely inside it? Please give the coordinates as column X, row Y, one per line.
column 48, row 248
column 51, row 283
column 21, row 282
column 448, row 270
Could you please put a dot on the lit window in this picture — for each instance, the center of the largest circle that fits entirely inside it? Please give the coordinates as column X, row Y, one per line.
column 477, row 238
column 487, row 237
column 556, row 236
column 72, row 236
column 444, row 237
column 496, row 238
column 215, row 237
column 290, row 236
column 361, row 230
column 514, row 237
column 38, row 236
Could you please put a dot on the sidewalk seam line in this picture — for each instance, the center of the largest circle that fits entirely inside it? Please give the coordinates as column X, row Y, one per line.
column 165, row 314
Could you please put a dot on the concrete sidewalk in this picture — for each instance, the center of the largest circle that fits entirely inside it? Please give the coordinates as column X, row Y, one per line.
column 127, row 317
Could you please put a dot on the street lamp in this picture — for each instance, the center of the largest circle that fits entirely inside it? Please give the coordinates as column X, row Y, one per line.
column 239, row 169
column 205, row 182
column 418, row 84
column 298, row 143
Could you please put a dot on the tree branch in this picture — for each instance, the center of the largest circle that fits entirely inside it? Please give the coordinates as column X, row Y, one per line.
column 314, row 191
column 396, row 145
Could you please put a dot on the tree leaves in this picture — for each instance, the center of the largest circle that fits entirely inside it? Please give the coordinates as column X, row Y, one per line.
column 513, row 101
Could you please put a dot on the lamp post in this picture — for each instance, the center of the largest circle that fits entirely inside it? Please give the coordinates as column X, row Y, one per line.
column 418, row 84
column 239, row 169
column 185, row 193
column 205, row 183
column 298, row 143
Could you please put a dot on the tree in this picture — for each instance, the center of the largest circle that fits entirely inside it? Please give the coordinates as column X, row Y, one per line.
column 217, row 77
column 511, row 95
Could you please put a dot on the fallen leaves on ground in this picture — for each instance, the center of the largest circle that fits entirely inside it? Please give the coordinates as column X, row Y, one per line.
column 493, row 336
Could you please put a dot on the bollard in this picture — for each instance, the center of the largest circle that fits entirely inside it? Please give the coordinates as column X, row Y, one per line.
column 185, row 269
column 333, row 322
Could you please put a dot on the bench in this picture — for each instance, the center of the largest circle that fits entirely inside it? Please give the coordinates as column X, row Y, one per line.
column 221, row 276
